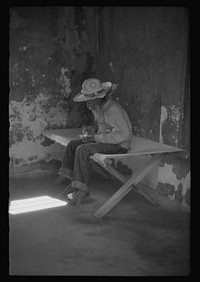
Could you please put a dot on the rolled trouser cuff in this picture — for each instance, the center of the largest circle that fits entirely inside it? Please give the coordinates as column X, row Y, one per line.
column 80, row 185
column 65, row 172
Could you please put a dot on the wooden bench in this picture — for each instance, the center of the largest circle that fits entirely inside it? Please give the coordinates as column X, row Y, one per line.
column 63, row 136
column 143, row 159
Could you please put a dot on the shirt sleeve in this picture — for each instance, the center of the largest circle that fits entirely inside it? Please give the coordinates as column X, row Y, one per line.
column 120, row 124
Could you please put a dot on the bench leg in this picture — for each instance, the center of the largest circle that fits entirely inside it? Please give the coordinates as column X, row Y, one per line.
column 133, row 180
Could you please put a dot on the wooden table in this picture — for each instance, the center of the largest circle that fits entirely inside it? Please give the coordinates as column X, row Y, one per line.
column 63, row 136
column 143, row 159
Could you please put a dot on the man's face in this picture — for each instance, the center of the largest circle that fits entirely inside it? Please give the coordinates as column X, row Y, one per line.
column 93, row 104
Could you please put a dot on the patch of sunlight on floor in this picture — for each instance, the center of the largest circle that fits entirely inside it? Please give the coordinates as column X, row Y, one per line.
column 34, row 204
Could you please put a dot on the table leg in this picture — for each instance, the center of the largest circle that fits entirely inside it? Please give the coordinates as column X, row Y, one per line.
column 133, row 180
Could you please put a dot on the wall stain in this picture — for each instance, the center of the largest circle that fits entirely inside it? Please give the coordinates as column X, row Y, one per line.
column 179, row 184
column 169, row 124
column 47, row 142
column 26, row 139
column 50, row 55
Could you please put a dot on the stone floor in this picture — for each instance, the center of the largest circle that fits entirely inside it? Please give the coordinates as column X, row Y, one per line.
column 133, row 239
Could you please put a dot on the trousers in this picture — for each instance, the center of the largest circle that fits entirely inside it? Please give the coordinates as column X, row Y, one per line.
column 76, row 163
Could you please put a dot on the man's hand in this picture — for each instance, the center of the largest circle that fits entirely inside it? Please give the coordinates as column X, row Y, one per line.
column 88, row 134
column 88, row 130
column 88, row 138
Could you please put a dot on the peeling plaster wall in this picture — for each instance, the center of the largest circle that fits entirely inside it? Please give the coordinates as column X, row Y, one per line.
column 145, row 51
column 27, row 122
column 169, row 121
column 52, row 50
column 174, row 178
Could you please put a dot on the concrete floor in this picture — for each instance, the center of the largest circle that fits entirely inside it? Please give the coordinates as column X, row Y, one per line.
column 134, row 239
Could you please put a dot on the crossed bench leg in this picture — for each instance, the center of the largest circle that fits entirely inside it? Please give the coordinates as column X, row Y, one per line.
column 128, row 184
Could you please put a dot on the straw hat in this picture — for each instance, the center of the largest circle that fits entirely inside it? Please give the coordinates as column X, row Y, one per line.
column 92, row 88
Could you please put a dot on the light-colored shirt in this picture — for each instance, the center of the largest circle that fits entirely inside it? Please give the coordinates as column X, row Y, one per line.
column 114, row 126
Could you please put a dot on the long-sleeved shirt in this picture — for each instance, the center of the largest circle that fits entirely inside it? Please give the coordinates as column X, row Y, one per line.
column 114, row 126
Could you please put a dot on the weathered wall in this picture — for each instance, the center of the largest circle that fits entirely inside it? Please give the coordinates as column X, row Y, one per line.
column 52, row 50
column 145, row 51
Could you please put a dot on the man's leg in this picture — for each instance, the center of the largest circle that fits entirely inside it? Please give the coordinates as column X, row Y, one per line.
column 66, row 170
column 82, row 166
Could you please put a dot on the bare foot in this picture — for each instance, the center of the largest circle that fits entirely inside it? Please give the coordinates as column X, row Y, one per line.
column 67, row 191
column 78, row 198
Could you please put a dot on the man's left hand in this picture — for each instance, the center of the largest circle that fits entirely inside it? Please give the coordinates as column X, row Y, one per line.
column 88, row 138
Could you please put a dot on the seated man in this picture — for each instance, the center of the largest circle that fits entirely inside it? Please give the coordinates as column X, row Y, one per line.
column 113, row 136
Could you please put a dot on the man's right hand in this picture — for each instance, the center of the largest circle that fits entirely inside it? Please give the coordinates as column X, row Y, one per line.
column 88, row 130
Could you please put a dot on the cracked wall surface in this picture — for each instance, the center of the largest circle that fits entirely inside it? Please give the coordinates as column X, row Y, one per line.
column 175, row 186
column 51, row 52
column 144, row 50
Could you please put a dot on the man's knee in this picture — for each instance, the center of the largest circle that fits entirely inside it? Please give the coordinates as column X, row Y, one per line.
column 72, row 144
column 84, row 150
column 81, row 148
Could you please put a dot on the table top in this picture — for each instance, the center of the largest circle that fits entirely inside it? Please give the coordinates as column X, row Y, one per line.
column 63, row 136
column 139, row 145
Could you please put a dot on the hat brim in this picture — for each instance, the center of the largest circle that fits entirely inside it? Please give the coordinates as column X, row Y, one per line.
column 81, row 97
